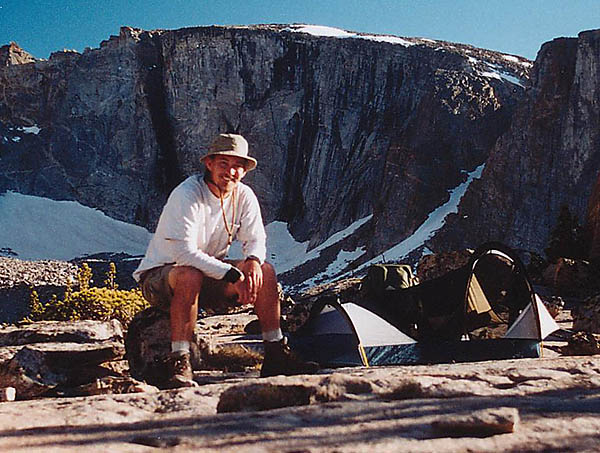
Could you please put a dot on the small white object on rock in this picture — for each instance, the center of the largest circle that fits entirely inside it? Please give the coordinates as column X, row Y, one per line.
column 8, row 394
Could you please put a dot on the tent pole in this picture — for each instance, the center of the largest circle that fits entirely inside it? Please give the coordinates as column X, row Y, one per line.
column 363, row 355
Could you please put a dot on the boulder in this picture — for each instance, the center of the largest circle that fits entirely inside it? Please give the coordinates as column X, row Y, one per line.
column 582, row 343
column 264, row 396
column 29, row 373
column 148, row 343
column 292, row 392
column 38, row 368
column 483, row 423
column 57, row 331
column 567, row 276
column 586, row 317
column 438, row 264
column 42, row 357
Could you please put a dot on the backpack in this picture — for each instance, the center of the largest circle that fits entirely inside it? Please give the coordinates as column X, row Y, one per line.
column 385, row 277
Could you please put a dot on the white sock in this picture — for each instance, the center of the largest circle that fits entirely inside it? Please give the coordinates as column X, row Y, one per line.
column 272, row 335
column 180, row 346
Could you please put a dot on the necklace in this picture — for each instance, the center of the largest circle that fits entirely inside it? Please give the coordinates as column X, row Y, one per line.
column 228, row 227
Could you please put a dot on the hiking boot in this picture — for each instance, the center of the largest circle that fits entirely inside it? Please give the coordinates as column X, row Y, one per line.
column 279, row 359
column 180, row 370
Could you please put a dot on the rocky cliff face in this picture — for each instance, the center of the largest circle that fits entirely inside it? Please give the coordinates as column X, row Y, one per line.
column 89, row 128
column 593, row 222
column 550, row 156
column 342, row 128
column 12, row 54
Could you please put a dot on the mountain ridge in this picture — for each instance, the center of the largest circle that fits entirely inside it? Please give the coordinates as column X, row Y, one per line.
column 343, row 128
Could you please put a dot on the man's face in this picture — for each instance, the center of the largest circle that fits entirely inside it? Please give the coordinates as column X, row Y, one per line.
column 226, row 171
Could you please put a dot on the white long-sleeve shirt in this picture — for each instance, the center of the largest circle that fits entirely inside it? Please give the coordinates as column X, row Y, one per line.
column 191, row 230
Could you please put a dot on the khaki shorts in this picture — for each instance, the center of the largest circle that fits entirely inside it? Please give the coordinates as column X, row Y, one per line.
column 216, row 295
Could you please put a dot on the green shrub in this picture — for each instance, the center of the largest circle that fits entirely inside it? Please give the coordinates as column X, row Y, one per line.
column 89, row 302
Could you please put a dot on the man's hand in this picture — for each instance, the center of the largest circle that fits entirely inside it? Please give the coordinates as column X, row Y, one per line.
column 249, row 286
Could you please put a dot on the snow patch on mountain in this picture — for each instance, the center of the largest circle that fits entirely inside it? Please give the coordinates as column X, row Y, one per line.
column 36, row 228
column 33, row 130
column 483, row 68
column 502, row 76
column 435, row 220
column 285, row 253
column 518, row 60
column 321, row 30
column 489, row 70
column 30, row 129
column 343, row 259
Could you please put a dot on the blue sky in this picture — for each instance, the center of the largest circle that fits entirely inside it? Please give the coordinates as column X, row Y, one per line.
column 512, row 26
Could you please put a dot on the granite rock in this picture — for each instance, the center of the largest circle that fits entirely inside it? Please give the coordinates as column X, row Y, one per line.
column 437, row 264
column 568, row 276
column 586, row 316
column 546, row 404
column 40, row 358
column 548, row 158
column 483, row 423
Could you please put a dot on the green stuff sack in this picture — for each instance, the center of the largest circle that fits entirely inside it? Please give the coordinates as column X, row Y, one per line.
column 383, row 277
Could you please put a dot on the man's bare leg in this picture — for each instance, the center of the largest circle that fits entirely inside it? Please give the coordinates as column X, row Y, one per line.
column 186, row 283
column 278, row 357
column 267, row 301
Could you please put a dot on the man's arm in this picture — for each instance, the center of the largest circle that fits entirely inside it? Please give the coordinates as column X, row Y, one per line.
column 253, row 237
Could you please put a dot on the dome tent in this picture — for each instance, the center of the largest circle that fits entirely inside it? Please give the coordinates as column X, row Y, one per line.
column 486, row 310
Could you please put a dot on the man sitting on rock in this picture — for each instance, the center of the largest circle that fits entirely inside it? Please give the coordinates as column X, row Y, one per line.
column 184, row 265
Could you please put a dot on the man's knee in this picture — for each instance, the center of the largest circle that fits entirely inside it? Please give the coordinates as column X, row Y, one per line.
column 268, row 271
column 185, row 278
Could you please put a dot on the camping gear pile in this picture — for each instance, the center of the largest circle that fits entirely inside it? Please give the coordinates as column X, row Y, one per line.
column 485, row 310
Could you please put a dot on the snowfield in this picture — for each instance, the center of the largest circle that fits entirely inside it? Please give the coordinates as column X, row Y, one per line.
column 37, row 228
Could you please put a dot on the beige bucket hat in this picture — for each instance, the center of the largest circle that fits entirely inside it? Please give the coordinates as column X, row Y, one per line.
column 231, row 145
